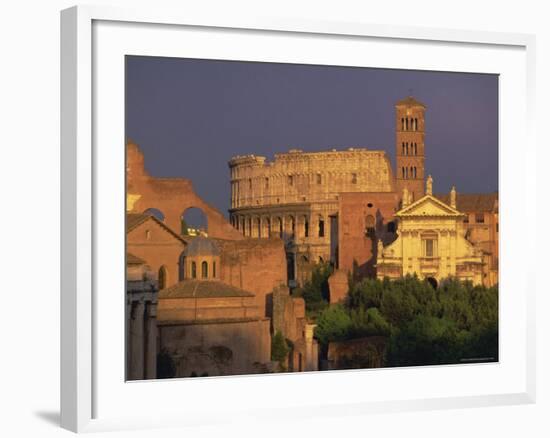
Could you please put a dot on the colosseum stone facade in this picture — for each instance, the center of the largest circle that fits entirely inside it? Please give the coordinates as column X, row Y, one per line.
column 296, row 197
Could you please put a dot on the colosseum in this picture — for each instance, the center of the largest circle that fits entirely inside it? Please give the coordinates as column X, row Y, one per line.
column 296, row 197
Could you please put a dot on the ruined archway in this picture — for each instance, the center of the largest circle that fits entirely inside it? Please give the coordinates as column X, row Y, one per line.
column 171, row 196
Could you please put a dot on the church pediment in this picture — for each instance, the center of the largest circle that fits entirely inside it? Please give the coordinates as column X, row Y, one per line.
column 428, row 206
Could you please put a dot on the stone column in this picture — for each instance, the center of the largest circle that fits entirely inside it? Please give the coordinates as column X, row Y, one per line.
column 311, row 359
column 151, row 342
column 137, row 341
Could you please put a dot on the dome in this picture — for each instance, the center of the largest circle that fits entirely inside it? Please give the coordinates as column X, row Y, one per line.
column 201, row 246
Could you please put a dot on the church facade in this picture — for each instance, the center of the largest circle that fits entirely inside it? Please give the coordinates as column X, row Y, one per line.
column 430, row 243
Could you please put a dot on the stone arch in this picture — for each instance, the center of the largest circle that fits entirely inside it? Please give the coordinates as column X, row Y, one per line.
column 155, row 212
column 204, row 269
column 171, row 196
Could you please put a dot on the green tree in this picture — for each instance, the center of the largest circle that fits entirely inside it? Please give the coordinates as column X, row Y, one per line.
column 456, row 323
column 333, row 324
column 425, row 341
column 315, row 291
column 368, row 322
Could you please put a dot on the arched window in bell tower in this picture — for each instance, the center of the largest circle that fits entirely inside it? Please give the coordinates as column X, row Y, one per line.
column 406, row 124
column 402, row 124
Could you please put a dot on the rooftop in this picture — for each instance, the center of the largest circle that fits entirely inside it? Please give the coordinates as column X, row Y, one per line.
column 409, row 101
column 203, row 289
column 470, row 202
column 201, row 246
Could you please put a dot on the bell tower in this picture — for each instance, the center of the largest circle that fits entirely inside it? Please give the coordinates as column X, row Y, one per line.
column 409, row 156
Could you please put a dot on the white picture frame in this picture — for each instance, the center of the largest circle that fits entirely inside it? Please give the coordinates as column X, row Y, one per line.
column 85, row 175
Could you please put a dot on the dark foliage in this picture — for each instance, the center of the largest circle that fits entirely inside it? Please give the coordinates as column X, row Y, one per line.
column 315, row 292
column 166, row 367
column 456, row 323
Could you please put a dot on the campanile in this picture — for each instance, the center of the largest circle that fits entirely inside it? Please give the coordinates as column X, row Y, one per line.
column 409, row 137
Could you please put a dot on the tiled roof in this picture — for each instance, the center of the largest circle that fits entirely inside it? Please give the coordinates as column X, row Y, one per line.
column 200, row 246
column 410, row 101
column 472, row 202
column 131, row 259
column 203, row 289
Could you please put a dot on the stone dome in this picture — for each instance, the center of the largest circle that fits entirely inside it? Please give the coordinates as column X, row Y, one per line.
column 201, row 246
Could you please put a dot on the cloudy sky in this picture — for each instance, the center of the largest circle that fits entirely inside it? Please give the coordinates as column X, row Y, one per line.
column 191, row 116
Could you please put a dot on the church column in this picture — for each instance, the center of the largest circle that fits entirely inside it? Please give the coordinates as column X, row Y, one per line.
column 416, row 250
column 404, row 252
column 452, row 236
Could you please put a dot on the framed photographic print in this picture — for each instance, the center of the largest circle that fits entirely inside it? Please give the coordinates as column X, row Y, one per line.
column 258, row 208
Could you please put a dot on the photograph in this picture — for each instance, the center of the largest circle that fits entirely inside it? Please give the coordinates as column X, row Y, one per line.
column 287, row 218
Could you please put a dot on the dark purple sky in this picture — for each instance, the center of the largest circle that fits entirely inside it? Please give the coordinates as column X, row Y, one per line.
column 191, row 116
